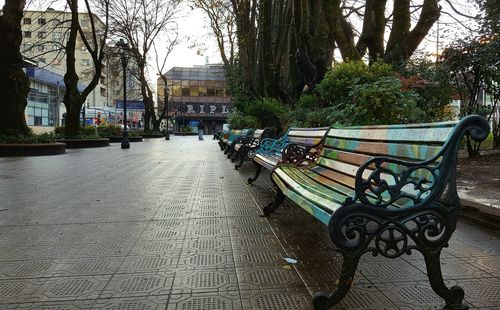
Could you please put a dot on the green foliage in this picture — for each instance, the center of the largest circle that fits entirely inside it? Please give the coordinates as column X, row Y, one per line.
column 381, row 102
column 335, row 88
column 432, row 84
column 186, row 129
column 268, row 112
column 87, row 132
column 239, row 121
column 46, row 137
column 354, row 93
column 105, row 131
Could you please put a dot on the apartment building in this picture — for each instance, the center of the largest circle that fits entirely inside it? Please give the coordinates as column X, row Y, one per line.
column 44, row 37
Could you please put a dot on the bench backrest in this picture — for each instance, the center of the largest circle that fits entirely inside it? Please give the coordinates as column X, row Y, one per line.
column 346, row 149
column 307, row 136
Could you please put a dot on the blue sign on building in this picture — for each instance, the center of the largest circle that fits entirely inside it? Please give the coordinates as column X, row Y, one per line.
column 131, row 105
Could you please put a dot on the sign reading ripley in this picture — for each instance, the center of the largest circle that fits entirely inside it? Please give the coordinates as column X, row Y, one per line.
column 197, row 108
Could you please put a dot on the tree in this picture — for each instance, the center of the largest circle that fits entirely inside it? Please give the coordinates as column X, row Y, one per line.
column 14, row 84
column 473, row 65
column 95, row 42
column 140, row 23
column 163, row 102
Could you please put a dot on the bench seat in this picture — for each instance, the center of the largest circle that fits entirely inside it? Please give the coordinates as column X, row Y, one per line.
column 270, row 152
column 385, row 190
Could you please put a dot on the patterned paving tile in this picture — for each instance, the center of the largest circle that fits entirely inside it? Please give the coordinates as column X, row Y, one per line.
column 172, row 225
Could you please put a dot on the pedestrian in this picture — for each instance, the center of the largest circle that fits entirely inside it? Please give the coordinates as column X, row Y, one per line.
column 201, row 127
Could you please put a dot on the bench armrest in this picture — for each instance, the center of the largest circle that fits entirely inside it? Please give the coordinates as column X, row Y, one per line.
column 383, row 181
column 301, row 154
column 272, row 146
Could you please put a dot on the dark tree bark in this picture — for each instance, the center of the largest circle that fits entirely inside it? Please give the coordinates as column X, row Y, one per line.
column 73, row 98
column 14, row 84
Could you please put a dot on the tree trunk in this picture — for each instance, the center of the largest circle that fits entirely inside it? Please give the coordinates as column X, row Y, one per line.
column 14, row 84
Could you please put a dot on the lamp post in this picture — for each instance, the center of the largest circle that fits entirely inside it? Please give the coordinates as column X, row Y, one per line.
column 166, row 95
column 124, row 59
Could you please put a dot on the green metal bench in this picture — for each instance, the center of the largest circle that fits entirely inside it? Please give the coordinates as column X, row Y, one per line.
column 385, row 190
column 247, row 145
column 237, row 138
column 269, row 153
column 223, row 139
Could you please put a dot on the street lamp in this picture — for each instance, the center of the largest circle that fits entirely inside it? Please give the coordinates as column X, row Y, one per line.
column 166, row 95
column 123, row 46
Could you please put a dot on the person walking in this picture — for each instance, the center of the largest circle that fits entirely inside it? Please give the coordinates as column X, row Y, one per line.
column 201, row 127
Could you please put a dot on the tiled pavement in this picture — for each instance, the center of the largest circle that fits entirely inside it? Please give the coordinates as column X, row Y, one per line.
column 171, row 225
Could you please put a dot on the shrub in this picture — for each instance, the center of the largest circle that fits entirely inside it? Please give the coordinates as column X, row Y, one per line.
column 381, row 102
column 431, row 82
column 239, row 121
column 268, row 112
column 338, row 82
column 87, row 132
column 46, row 137
column 109, row 130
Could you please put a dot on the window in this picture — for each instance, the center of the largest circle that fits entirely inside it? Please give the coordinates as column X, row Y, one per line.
column 202, row 91
column 26, row 21
column 41, row 21
column 185, row 91
column 40, row 47
column 56, row 35
column 56, row 22
column 27, row 34
column 103, row 92
column 41, row 34
column 38, row 121
column 84, row 23
column 116, row 92
column 41, row 59
column 84, row 49
column 102, row 80
column 85, row 62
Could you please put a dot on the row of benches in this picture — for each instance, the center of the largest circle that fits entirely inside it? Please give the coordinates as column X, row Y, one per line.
column 385, row 190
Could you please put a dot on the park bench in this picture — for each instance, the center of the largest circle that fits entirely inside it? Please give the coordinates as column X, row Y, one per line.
column 384, row 190
column 248, row 145
column 269, row 153
column 236, row 138
column 224, row 136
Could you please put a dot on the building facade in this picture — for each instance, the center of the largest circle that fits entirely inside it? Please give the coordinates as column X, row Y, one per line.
column 197, row 94
column 44, row 37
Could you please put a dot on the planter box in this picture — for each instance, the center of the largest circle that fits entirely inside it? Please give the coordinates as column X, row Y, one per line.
column 85, row 143
column 115, row 139
column 40, row 149
column 152, row 135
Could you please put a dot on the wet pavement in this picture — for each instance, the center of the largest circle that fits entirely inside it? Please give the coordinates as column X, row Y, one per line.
column 172, row 225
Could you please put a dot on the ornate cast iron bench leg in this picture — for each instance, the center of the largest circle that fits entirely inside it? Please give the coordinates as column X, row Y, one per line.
column 272, row 206
column 454, row 295
column 323, row 301
column 257, row 173
column 242, row 154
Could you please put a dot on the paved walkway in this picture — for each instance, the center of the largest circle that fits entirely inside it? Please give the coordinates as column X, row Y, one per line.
column 171, row 224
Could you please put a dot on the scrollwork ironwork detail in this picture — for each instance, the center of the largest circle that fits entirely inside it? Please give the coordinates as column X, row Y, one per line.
column 298, row 154
column 362, row 229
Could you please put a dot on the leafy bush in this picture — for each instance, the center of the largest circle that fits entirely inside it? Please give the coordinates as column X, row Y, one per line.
column 109, row 130
column 239, row 121
column 433, row 85
column 381, row 102
column 87, row 132
column 338, row 82
column 46, row 137
column 268, row 112
column 186, row 129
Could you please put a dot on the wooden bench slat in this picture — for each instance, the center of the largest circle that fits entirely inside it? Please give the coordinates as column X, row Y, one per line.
column 326, row 204
column 313, row 184
column 300, row 132
column 436, row 135
column 401, row 150
column 305, row 204
column 304, row 140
